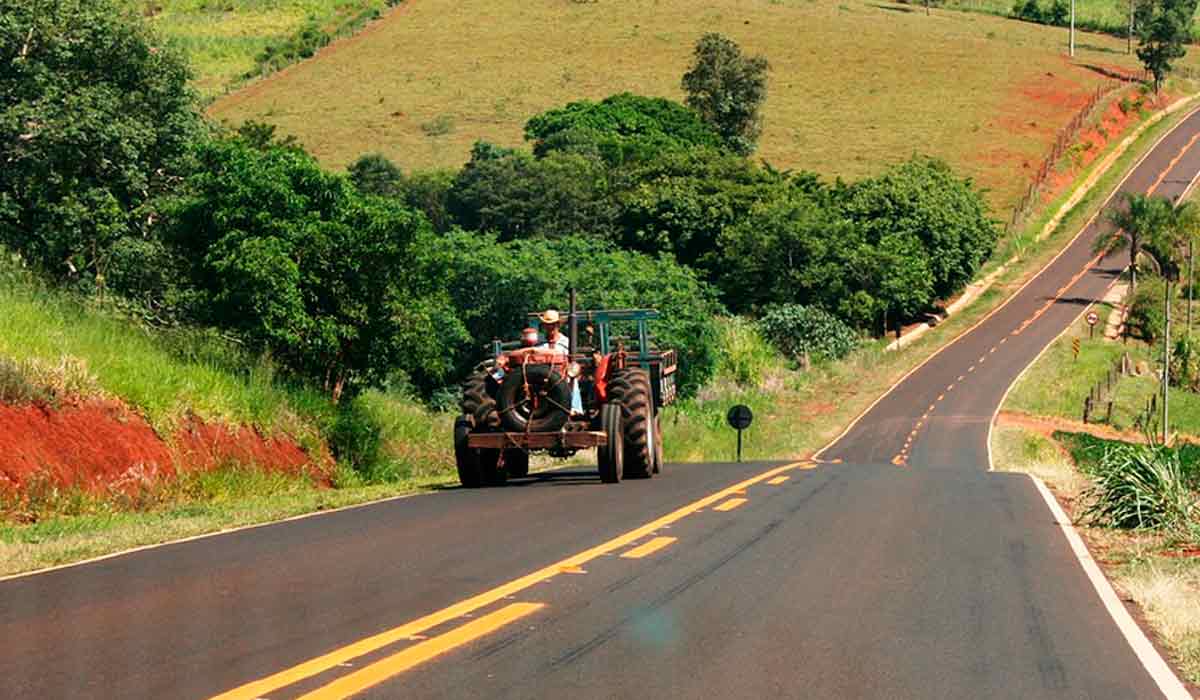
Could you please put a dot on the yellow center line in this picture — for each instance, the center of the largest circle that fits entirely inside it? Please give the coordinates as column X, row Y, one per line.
column 336, row 657
column 941, row 396
column 650, row 547
column 778, row 480
column 950, row 388
column 398, row 663
column 992, row 350
column 730, row 504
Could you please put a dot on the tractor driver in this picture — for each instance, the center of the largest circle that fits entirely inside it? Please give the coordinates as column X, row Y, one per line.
column 555, row 340
column 558, row 343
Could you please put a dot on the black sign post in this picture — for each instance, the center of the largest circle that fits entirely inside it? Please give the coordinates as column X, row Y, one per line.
column 1092, row 318
column 739, row 417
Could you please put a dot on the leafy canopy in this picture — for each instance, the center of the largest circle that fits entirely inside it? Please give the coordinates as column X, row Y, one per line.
column 300, row 264
column 95, row 120
column 1164, row 30
column 620, row 128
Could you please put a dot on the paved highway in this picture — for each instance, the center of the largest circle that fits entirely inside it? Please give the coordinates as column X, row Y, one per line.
column 896, row 566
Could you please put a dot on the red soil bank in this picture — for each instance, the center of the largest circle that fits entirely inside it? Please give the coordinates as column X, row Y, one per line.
column 103, row 446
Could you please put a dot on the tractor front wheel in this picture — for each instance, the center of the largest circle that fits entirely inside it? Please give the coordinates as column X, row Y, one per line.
column 629, row 388
column 610, row 456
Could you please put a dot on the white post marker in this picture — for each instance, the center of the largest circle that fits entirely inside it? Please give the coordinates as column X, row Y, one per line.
column 1092, row 319
column 1072, row 28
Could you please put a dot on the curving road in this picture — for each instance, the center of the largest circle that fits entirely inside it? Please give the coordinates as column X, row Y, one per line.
column 896, row 566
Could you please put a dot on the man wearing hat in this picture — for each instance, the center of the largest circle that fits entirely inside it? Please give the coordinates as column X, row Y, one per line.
column 555, row 340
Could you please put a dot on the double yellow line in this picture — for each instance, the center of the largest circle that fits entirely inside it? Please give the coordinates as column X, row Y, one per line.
column 406, row 659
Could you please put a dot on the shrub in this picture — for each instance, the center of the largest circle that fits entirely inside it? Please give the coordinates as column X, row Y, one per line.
column 798, row 330
column 620, row 128
column 1058, row 13
column 1028, row 10
column 356, row 438
column 1139, row 486
column 1146, row 318
column 745, row 356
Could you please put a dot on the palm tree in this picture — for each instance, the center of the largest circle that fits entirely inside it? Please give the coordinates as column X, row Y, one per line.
column 1144, row 218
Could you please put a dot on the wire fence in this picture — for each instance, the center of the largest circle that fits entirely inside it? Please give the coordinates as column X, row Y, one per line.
column 1065, row 138
column 1098, row 404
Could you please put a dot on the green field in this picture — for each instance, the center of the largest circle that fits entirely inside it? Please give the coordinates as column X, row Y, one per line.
column 854, row 87
column 223, row 37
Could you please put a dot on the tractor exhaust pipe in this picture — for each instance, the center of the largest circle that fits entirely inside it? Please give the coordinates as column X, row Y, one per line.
column 572, row 327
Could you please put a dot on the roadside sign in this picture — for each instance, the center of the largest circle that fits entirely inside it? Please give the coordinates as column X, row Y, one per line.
column 1075, row 347
column 739, row 418
column 1092, row 318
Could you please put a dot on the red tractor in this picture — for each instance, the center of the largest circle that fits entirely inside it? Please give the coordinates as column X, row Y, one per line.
column 605, row 394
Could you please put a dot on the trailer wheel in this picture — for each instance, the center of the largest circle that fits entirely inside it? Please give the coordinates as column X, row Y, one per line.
column 610, row 456
column 465, row 457
column 630, row 389
column 516, row 463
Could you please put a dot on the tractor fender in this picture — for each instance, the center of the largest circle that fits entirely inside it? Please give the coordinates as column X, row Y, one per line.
column 601, row 383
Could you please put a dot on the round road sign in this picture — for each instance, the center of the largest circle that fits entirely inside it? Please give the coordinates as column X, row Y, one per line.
column 1092, row 318
column 740, row 417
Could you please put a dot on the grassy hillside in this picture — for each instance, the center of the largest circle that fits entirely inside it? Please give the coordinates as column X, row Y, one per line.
column 223, row 38
column 855, row 85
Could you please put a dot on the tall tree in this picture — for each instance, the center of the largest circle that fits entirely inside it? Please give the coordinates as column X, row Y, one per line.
column 1164, row 29
column 95, row 118
column 1141, row 220
column 728, row 89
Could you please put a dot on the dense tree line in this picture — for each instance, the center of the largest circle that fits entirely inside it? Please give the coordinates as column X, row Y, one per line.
column 113, row 182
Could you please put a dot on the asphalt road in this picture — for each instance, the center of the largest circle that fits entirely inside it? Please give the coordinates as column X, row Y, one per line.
column 896, row 567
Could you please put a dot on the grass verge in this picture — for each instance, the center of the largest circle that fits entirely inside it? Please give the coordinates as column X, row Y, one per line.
column 1145, row 567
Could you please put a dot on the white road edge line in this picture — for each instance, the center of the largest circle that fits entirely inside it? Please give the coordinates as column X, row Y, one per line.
column 1152, row 661
column 1159, row 670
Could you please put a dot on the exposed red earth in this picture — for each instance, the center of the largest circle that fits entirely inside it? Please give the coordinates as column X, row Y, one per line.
column 102, row 446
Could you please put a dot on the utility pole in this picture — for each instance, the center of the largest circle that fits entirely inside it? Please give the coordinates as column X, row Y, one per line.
column 1129, row 40
column 1072, row 28
column 1191, row 283
column 1166, row 384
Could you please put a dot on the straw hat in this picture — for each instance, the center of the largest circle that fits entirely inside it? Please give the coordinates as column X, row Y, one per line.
column 549, row 316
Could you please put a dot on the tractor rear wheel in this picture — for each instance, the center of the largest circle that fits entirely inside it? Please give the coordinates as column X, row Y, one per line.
column 629, row 388
column 478, row 403
column 610, row 456
column 516, row 463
